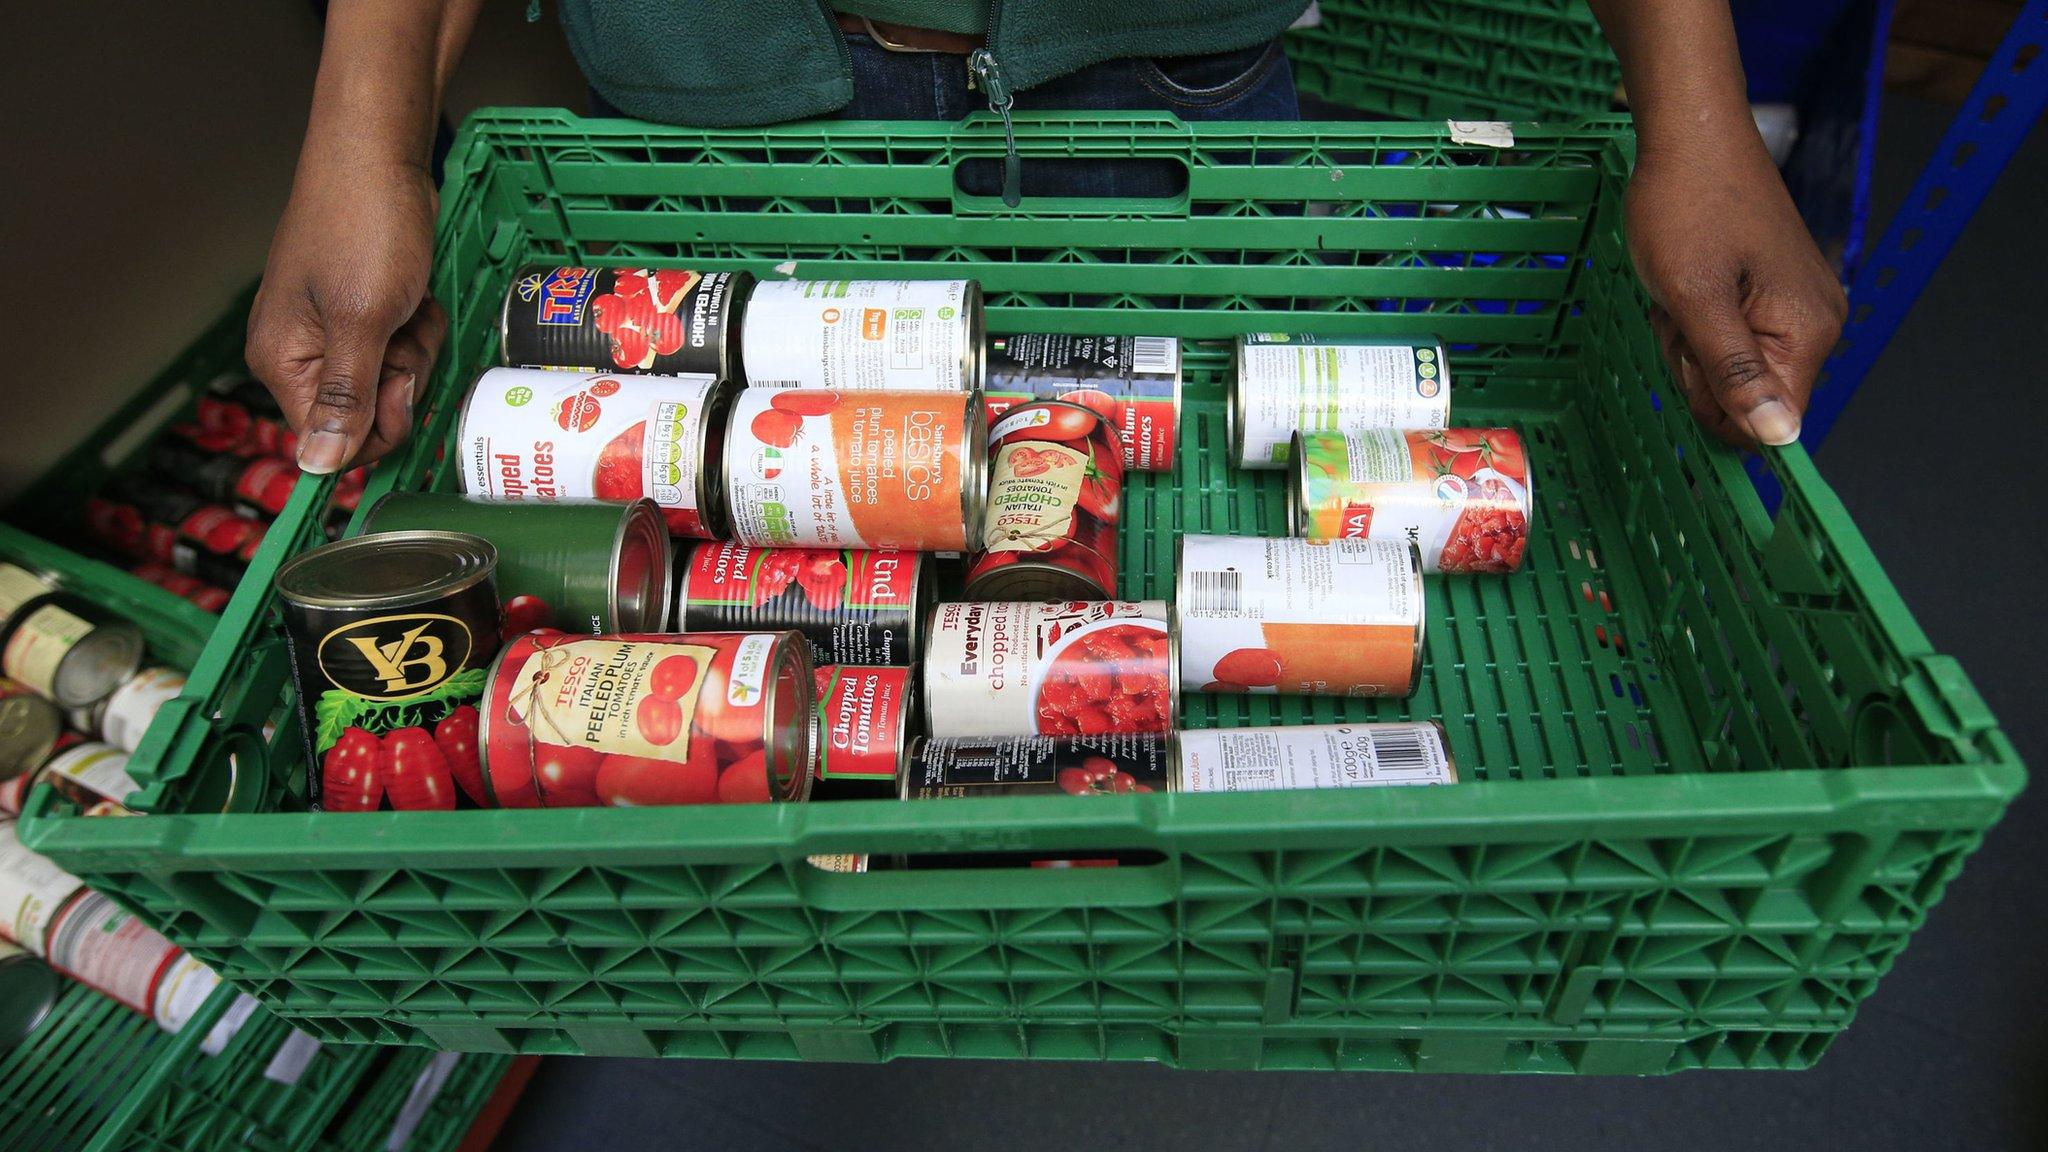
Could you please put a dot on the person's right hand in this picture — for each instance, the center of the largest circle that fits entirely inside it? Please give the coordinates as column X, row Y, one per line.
column 343, row 332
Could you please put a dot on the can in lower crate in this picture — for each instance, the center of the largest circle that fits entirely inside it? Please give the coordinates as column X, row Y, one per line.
column 846, row 469
column 1314, row 756
column 1067, row 668
column 581, row 566
column 28, row 990
column 29, row 727
column 1463, row 495
column 1283, row 384
column 528, row 434
column 32, row 892
column 1055, row 493
column 1104, row 765
column 664, row 320
column 1300, row 617
column 648, row 718
column 862, row 735
column 60, row 645
column 1133, row 382
column 90, row 773
column 855, row 606
column 862, row 335
column 104, row 947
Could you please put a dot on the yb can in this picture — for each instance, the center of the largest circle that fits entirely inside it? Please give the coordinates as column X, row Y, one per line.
column 1133, row 382
column 575, row 565
column 1106, row 765
column 666, row 320
column 1072, row 668
column 60, row 645
column 854, row 606
column 389, row 635
column 1056, row 482
column 861, row 335
column 857, row 469
column 1463, row 495
column 1314, row 756
column 649, row 718
column 1286, row 384
column 546, row 436
column 863, row 732
column 1299, row 617
column 29, row 726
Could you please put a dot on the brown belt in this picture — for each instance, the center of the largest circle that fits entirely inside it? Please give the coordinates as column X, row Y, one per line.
column 903, row 38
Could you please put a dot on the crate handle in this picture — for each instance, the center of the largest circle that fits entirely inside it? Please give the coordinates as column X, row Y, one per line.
column 1045, row 140
column 970, row 888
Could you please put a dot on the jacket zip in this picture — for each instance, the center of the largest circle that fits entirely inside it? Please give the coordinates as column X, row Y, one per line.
column 985, row 73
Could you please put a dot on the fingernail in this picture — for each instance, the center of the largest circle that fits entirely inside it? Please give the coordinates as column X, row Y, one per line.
column 1773, row 423
column 409, row 382
column 323, row 451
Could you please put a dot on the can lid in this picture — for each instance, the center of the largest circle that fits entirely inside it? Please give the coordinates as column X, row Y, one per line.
column 1034, row 580
column 974, row 470
column 640, row 578
column 28, row 990
column 787, row 719
column 99, row 663
column 29, row 726
column 386, row 569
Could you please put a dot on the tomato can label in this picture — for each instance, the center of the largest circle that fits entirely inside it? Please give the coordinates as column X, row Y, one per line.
column 32, row 892
column 534, row 435
column 856, row 469
column 102, row 946
column 29, row 727
column 1297, row 383
column 18, row 586
column 855, row 606
column 1104, row 765
column 1055, row 492
column 665, row 320
column 1070, row 668
column 1463, row 495
column 134, row 705
column 839, row 862
column 40, row 642
column 901, row 335
column 1301, row 617
column 90, row 772
column 1313, row 756
column 863, row 724
column 649, row 718
column 1133, row 382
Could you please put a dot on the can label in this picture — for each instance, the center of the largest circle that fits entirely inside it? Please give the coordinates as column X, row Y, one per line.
column 1330, row 756
column 861, row 722
column 1104, row 765
column 1289, row 383
column 664, row 320
column 850, row 470
column 1462, row 494
column 32, row 891
column 1335, row 618
column 906, row 335
column 18, row 586
column 1133, row 382
column 1057, row 669
column 202, row 595
column 90, row 772
column 99, row 944
column 1055, row 492
column 135, row 703
column 839, row 862
column 534, row 435
column 854, row 606
column 39, row 644
column 638, row 719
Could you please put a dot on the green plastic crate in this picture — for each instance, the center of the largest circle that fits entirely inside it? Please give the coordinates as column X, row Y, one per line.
column 1467, row 59
column 1717, row 776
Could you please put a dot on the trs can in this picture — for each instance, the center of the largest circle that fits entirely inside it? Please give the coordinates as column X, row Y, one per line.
column 1314, row 756
column 1299, row 617
column 1066, row 668
column 1102, row 765
column 577, row 565
column 900, row 335
column 29, row 727
column 60, row 645
column 1285, row 384
column 855, row 606
column 388, row 633
column 1133, row 382
column 104, row 947
column 665, row 320
column 862, row 732
column 1056, row 483
column 533, row 435
column 1463, row 495
column 857, row 469
column 32, row 892
column 649, row 718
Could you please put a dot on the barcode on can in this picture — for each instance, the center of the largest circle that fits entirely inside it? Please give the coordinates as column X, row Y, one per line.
column 1159, row 354
column 1214, row 594
column 1334, row 756
column 1403, row 751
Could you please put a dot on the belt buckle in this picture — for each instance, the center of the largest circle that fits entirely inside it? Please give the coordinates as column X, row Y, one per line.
column 887, row 44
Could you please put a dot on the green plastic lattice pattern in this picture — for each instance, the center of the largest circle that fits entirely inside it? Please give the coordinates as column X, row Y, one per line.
column 1717, row 774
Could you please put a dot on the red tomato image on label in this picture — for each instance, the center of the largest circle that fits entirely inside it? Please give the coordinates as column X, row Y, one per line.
column 823, row 579
column 578, row 413
column 672, row 677
column 523, row 614
column 659, row 721
column 417, row 778
column 456, row 735
column 604, row 386
column 777, row 427
column 617, row 475
column 745, row 781
column 634, row 781
column 1062, row 423
column 804, row 403
column 352, row 773
column 1250, row 667
column 1098, row 776
column 1112, row 680
column 566, row 776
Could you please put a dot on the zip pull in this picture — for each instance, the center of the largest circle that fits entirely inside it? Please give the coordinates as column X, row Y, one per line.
column 533, row 11
column 985, row 73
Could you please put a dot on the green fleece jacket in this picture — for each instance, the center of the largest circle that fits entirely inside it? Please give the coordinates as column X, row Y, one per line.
column 715, row 63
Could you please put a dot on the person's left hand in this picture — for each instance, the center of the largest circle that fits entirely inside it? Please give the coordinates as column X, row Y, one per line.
column 1745, row 306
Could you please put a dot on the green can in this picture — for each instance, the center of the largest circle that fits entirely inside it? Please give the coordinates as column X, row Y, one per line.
column 578, row 565
column 27, row 990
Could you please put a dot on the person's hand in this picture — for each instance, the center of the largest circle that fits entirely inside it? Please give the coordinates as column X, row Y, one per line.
column 1745, row 307
column 343, row 331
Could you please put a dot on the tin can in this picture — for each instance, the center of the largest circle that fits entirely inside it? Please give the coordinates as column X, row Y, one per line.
column 662, row 320
column 195, row 591
column 862, row 335
column 649, row 718
column 386, row 632
column 14, row 789
column 532, row 435
column 29, row 726
column 104, row 947
column 1463, row 495
column 1300, row 617
column 1285, row 384
column 32, row 892
column 260, row 485
column 183, row 990
column 145, row 521
column 581, row 566
column 1133, row 382
column 28, row 990
column 857, row 469
column 862, row 734
column 1056, row 489
column 855, row 606
column 839, row 862
column 66, row 648
column 90, row 772
column 236, row 422
column 125, row 715
column 1103, row 765
column 1072, row 668
column 1314, row 756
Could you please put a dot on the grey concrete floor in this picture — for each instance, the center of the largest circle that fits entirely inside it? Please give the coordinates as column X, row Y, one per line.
column 1938, row 461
